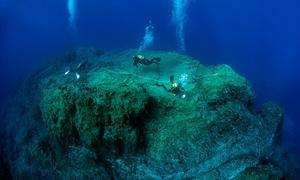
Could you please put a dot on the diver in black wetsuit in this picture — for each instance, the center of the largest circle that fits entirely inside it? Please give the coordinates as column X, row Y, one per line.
column 139, row 59
column 176, row 88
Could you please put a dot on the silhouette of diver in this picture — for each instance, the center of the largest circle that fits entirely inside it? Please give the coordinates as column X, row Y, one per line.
column 139, row 59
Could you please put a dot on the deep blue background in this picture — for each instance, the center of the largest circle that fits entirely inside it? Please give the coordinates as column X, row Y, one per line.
column 260, row 39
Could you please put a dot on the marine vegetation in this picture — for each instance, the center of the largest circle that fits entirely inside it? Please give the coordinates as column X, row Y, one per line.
column 117, row 122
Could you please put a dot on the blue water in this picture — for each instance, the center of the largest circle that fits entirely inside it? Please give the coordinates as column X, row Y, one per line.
column 259, row 39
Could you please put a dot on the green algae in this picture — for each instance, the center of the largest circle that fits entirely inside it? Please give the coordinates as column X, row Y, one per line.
column 122, row 122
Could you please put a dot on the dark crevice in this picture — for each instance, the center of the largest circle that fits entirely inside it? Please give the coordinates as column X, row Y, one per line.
column 140, row 122
column 5, row 173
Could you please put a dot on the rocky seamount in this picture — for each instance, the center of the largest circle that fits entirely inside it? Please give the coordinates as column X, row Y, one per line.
column 93, row 115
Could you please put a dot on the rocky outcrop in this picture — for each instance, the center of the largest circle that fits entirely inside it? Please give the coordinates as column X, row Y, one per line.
column 119, row 121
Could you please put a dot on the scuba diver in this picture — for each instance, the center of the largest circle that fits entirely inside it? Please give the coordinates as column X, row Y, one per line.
column 77, row 69
column 139, row 59
column 176, row 88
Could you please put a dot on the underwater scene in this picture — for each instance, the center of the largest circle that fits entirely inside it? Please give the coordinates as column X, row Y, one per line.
column 150, row 89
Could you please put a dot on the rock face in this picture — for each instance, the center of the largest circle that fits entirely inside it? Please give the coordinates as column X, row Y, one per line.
column 106, row 115
column 119, row 121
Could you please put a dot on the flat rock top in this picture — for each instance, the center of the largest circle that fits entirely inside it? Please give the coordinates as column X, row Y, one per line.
column 109, row 67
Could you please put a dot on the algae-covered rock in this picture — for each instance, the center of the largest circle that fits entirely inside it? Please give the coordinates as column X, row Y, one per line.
column 114, row 120
column 267, row 171
column 106, row 113
column 221, row 84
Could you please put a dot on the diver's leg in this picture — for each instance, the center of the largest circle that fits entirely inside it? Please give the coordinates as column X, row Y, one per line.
column 155, row 60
